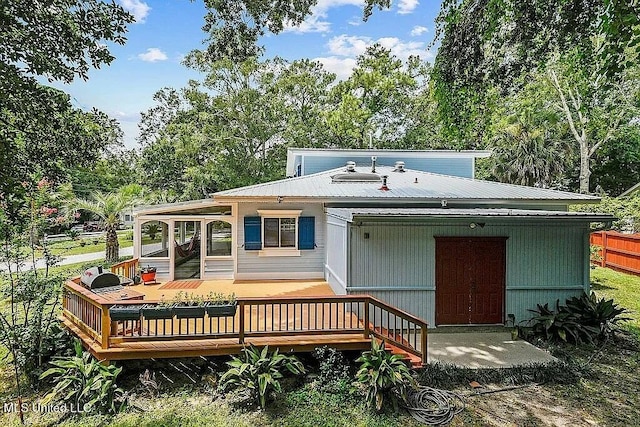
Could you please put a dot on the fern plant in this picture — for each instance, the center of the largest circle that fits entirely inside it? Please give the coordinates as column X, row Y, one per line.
column 259, row 372
column 384, row 375
column 85, row 383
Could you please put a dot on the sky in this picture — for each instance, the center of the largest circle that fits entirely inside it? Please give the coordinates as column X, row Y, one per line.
column 166, row 30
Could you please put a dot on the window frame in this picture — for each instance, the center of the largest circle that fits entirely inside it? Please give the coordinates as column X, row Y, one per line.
column 280, row 215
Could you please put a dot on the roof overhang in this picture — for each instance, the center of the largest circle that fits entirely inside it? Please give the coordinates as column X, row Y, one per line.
column 348, row 214
column 174, row 207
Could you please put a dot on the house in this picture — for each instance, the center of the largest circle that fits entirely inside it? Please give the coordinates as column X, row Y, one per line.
column 444, row 247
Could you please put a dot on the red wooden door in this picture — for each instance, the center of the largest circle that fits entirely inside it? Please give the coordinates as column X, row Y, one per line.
column 470, row 280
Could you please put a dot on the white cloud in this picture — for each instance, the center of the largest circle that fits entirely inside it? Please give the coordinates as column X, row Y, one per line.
column 407, row 6
column 418, row 30
column 342, row 67
column 355, row 21
column 352, row 46
column 344, row 45
column 317, row 21
column 137, row 8
column 126, row 116
column 153, row 54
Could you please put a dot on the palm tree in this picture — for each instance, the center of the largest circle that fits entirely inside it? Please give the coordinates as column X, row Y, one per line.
column 108, row 208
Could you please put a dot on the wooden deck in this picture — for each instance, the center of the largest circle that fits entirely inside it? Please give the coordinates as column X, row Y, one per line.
column 215, row 346
column 285, row 320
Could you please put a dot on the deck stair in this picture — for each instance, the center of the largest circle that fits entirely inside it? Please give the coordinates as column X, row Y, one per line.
column 413, row 361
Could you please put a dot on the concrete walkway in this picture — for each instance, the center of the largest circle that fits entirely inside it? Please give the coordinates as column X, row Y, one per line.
column 483, row 350
column 72, row 259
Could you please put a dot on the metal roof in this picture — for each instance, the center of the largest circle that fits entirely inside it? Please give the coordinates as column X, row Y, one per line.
column 409, row 185
column 348, row 214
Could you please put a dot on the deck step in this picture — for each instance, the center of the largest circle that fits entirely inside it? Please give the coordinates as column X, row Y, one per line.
column 412, row 360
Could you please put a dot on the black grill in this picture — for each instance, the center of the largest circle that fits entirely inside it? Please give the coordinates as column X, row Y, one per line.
column 100, row 281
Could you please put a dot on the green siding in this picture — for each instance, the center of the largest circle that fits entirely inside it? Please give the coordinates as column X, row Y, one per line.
column 545, row 261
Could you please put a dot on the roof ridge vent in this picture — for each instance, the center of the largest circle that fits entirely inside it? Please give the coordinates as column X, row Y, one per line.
column 351, row 166
column 399, row 167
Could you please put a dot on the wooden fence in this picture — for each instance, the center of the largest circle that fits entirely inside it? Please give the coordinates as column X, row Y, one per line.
column 617, row 251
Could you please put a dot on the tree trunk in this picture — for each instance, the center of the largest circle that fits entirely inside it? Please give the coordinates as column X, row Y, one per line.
column 112, row 246
column 585, row 170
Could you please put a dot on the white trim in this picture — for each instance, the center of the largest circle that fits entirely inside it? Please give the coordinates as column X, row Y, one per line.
column 285, row 276
column 329, row 271
column 268, row 252
column 279, row 213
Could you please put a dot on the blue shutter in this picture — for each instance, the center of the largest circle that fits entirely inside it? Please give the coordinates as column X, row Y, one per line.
column 306, row 232
column 252, row 233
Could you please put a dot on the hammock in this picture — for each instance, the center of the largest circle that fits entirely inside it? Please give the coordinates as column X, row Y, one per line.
column 190, row 249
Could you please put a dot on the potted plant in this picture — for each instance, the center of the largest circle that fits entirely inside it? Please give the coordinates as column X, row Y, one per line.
column 161, row 310
column 124, row 312
column 219, row 305
column 188, row 306
column 148, row 274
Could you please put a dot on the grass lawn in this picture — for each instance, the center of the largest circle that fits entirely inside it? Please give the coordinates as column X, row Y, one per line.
column 623, row 288
column 94, row 244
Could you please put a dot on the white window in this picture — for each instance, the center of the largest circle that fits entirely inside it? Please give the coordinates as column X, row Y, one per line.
column 279, row 232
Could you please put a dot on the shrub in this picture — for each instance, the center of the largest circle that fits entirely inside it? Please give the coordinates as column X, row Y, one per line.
column 73, row 234
column 259, row 372
column 601, row 314
column 559, row 324
column 334, row 369
column 85, row 383
column 384, row 375
column 583, row 318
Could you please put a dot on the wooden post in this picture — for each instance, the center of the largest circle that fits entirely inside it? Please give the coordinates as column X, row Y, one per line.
column 241, row 322
column 423, row 343
column 603, row 261
column 105, row 327
column 366, row 318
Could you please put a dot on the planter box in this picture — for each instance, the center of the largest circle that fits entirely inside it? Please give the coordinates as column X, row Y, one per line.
column 226, row 310
column 155, row 312
column 124, row 312
column 148, row 277
column 188, row 311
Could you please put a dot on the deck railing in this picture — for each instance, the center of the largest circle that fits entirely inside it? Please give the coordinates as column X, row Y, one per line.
column 257, row 317
column 82, row 309
column 128, row 268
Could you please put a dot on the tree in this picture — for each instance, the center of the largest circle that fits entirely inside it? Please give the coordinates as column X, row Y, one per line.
column 489, row 44
column 30, row 295
column 59, row 40
column 528, row 137
column 108, row 207
column 374, row 100
column 594, row 112
column 233, row 128
column 235, row 26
